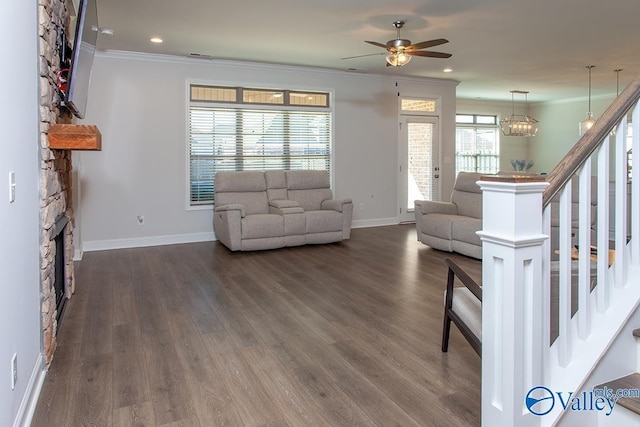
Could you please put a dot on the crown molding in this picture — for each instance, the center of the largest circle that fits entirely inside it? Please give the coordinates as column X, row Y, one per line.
column 263, row 66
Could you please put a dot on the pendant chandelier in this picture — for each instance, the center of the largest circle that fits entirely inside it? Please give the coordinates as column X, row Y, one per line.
column 519, row 124
column 587, row 123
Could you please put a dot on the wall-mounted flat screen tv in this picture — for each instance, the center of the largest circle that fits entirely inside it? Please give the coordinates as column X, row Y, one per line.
column 84, row 47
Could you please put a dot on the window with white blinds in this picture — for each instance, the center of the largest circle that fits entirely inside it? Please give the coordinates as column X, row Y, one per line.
column 477, row 143
column 223, row 138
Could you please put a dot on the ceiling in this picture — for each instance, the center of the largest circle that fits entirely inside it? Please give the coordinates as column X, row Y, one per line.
column 541, row 46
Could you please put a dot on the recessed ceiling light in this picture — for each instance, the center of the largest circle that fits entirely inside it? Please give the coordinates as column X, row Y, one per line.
column 448, row 70
column 156, row 40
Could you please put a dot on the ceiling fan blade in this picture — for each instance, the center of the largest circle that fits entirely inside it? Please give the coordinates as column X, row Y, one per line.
column 431, row 54
column 428, row 43
column 361, row 56
column 384, row 46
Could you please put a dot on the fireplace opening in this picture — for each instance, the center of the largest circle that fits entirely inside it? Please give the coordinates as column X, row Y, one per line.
column 59, row 266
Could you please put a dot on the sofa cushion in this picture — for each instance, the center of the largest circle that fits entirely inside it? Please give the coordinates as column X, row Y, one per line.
column 467, row 195
column 242, row 187
column 276, row 185
column 466, row 181
column 468, row 308
column 469, row 204
column 262, row 225
column 239, row 181
column 464, row 229
column 307, row 179
column 438, row 225
column 323, row 221
column 309, row 188
column 310, row 200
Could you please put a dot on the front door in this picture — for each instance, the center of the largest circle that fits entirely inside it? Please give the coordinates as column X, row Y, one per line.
column 419, row 168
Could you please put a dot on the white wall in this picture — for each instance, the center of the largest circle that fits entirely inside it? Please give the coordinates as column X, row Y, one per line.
column 559, row 128
column 139, row 104
column 557, row 134
column 19, row 254
column 511, row 147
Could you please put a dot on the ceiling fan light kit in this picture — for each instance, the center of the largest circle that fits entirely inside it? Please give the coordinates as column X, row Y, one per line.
column 587, row 123
column 519, row 124
column 400, row 51
column 398, row 59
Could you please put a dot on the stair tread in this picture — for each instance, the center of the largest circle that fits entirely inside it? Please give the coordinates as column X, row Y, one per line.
column 631, row 381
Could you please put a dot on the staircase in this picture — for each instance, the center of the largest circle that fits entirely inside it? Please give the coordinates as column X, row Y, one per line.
column 558, row 313
column 626, row 391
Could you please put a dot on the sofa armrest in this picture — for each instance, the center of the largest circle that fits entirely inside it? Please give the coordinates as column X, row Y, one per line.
column 280, row 204
column 227, row 225
column 430, row 206
column 286, row 211
column 231, row 207
column 335, row 204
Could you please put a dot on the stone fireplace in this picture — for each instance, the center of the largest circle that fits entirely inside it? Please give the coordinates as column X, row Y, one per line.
column 62, row 291
column 56, row 211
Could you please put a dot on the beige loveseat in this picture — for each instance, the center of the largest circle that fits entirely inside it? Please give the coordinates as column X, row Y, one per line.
column 274, row 209
column 451, row 226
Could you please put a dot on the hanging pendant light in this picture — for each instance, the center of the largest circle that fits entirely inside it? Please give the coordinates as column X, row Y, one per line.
column 617, row 70
column 519, row 124
column 587, row 123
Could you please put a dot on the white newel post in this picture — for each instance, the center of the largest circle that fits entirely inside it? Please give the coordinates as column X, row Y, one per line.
column 512, row 321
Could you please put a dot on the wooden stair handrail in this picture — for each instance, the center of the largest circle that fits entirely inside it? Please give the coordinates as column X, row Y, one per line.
column 590, row 141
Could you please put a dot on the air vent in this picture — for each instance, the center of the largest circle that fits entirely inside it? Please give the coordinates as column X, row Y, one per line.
column 200, row 55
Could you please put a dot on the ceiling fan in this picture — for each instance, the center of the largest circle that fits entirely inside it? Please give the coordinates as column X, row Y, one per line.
column 400, row 51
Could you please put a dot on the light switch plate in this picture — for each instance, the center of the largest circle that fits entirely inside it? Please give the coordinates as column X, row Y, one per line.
column 12, row 187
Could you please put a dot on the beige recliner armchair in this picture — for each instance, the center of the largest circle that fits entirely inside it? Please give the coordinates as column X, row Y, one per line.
column 451, row 226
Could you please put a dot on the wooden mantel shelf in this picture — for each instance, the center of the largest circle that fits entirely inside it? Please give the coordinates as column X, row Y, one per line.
column 75, row 137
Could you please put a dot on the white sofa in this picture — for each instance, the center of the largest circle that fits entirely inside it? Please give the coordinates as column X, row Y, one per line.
column 274, row 209
column 451, row 226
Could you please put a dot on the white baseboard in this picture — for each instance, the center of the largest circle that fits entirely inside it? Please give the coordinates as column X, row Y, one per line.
column 103, row 245
column 175, row 239
column 30, row 401
column 378, row 222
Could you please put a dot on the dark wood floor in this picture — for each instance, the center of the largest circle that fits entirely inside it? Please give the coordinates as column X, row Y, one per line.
column 329, row 335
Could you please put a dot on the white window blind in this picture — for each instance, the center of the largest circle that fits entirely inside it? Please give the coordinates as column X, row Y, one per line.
column 477, row 143
column 224, row 139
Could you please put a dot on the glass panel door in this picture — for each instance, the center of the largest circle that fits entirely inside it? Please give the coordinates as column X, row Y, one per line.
column 419, row 163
